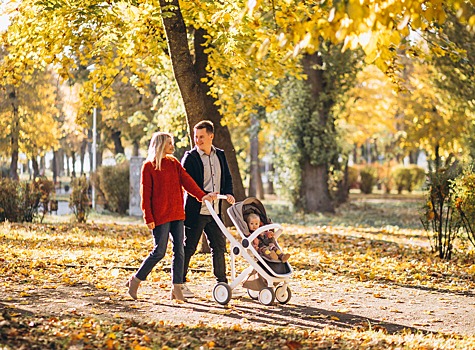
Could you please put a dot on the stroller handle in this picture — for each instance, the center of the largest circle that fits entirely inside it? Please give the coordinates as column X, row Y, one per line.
column 219, row 196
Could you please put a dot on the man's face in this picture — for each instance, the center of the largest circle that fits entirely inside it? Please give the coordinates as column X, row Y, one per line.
column 254, row 224
column 203, row 140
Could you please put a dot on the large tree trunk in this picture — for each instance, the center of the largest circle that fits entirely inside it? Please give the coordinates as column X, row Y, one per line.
column 14, row 141
column 315, row 182
column 314, row 192
column 198, row 104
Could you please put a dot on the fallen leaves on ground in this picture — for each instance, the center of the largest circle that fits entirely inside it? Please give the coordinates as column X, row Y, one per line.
column 101, row 256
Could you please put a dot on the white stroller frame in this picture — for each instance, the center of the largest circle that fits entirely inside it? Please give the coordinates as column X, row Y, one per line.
column 222, row 292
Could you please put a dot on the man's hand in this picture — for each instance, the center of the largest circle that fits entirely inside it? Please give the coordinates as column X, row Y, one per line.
column 230, row 199
column 151, row 225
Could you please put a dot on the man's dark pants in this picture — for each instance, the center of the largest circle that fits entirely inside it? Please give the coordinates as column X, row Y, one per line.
column 217, row 243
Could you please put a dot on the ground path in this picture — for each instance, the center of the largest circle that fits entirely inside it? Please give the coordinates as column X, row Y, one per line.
column 337, row 304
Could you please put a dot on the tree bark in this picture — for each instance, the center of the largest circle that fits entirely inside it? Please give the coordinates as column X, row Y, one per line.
column 135, row 149
column 314, row 192
column 255, row 179
column 83, row 154
column 118, row 147
column 14, row 141
column 54, row 167
column 36, row 168
column 198, row 104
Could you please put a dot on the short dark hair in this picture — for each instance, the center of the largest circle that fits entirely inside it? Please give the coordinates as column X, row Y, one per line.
column 205, row 124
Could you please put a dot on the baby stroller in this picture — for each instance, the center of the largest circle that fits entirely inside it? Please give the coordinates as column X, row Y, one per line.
column 265, row 281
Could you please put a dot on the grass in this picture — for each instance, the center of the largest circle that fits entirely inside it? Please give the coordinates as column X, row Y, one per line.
column 375, row 210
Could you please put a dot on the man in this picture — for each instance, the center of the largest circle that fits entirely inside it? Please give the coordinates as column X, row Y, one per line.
column 207, row 165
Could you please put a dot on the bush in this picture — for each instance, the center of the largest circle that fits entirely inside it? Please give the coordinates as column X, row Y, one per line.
column 19, row 201
column 114, row 183
column 369, row 179
column 418, row 177
column 464, row 201
column 45, row 187
column 353, row 175
column 408, row 178
column 79, row 199
column 440, row 217
column 401, row 176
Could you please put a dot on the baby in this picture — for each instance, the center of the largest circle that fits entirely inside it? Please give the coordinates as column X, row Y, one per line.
column 265, row 243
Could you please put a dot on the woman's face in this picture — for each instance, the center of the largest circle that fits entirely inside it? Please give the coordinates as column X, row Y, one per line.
column 169, row 147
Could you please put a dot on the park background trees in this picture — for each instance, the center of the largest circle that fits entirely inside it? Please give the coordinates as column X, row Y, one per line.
column 292, row 65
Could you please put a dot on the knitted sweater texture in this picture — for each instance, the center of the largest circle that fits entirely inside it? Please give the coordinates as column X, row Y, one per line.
column 162, row 191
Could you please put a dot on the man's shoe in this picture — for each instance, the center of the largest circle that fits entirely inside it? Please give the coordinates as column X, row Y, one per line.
column 187, row 293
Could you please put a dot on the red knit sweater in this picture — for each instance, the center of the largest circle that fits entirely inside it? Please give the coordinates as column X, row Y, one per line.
column 162, row 191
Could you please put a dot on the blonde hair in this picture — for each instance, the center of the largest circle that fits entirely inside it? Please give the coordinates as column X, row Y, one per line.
column 253, row 216
column 156, row 149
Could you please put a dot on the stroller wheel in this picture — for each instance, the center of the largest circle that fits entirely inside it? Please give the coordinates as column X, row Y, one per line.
column 222, row 293
column 254, row 294
column 266, row 296
column 282, row 294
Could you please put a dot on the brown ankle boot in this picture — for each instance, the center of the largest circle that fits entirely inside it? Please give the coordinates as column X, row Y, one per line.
column 177, row 293
column 133, row 284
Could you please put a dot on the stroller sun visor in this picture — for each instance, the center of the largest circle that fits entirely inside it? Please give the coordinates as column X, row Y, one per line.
column 239, row 212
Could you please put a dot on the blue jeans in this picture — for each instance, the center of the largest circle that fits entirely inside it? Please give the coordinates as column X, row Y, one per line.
column 160, row 236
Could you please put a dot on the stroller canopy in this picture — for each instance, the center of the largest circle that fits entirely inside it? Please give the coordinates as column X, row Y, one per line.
column 240, row 211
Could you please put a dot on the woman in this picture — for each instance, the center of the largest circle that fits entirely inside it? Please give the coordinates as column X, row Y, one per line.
column 161, row 188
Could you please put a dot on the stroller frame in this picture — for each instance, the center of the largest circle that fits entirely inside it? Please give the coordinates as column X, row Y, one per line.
column 222, row 292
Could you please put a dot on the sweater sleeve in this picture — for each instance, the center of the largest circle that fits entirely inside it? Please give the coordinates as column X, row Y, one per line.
column 146, row 193
column 189, row 184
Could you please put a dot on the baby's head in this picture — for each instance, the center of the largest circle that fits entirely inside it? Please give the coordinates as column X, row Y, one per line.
column 253, row 222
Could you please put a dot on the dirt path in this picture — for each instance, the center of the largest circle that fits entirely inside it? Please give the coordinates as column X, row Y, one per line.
column 339, row 304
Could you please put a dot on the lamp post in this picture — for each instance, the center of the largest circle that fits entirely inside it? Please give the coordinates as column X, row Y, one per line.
column 91, row 68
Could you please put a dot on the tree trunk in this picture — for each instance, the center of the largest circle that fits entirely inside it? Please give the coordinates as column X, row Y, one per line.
column 54, row 167
column 135, row 149
column 343, row 187
column 314, row 190
column 68, row 170
column 255, row 180
column 60, row 159
column 270, row 179
column 43, row 166
column 314, row 194
column 82, row 154
column 36, row 168
column 73, row 158
column 198, row 105
column 14, row 141
column 118, row 147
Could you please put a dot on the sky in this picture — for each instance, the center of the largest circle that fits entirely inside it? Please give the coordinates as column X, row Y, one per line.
column 3, row 22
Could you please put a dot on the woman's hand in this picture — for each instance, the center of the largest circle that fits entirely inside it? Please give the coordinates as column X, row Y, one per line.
column 210, row 197
column 151, row 225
